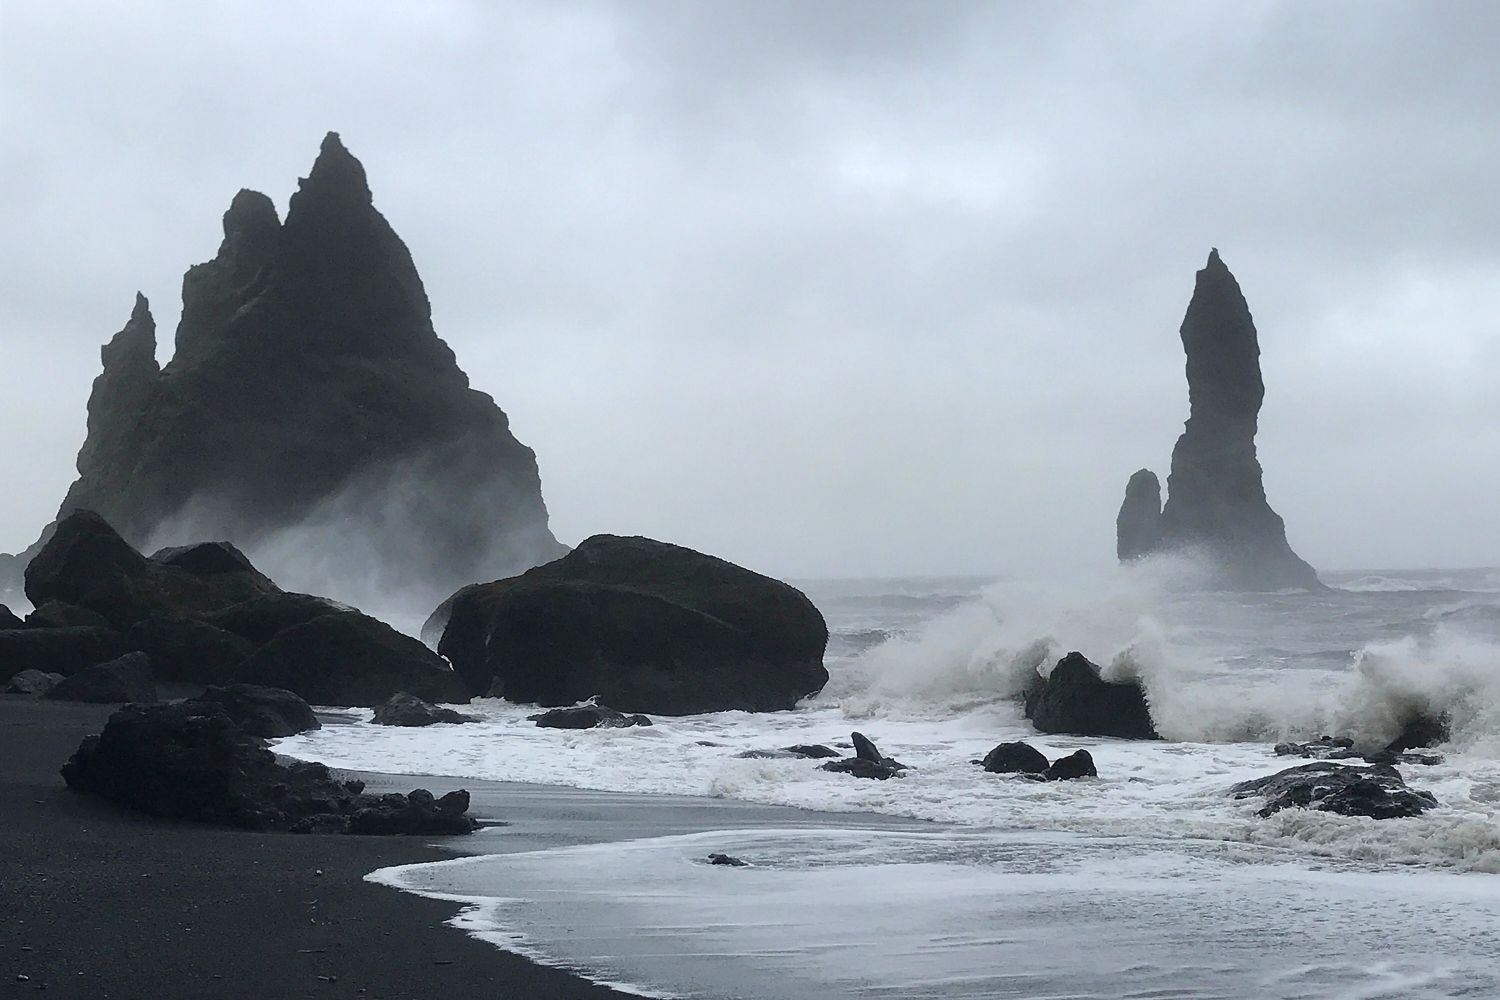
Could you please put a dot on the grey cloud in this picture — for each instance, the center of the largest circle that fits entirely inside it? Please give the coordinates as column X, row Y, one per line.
column 829, row 288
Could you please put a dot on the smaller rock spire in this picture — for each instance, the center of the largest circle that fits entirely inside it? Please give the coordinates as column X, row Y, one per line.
column 335, row 175
column 133, row 349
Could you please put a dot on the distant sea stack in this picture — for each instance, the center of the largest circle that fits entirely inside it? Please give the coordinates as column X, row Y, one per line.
column 1216, row 503
column 310, row 413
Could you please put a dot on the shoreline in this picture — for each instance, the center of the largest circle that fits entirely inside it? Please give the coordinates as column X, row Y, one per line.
column 100, row 902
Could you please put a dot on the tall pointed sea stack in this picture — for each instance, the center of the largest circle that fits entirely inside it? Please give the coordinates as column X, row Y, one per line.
column 1216, row 504
column 311, row 410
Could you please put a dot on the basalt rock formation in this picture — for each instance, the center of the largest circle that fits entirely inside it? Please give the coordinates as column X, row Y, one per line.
column 1075, row 699
column 204, row 615
column 308, row 389
column 1378, row 791
column 1216, row 503
column 644, row 625
column 191, row 760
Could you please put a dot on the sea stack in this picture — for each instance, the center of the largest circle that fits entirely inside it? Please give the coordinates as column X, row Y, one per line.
column 309, row 390
column 1216, row 503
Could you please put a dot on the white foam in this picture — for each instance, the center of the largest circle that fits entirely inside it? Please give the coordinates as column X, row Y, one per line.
column 860, row 913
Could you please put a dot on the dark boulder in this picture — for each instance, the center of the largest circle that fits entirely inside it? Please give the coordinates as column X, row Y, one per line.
column 191, row 761
column 1015, row 758
column 403, row 709
column 184, row 650
column 727, row 860
column 127, row 678
column 262, row 618
column 266, row 712
column 1421, row 731
column 56, row 614
column 589, row 715
column 1377, row 791
column 867, row 762
column 8, row 618
column 1078, row 764
column 1216, row 504
column 57, row 650
column 32, row 682
column 308, row 386
column 205, row 559
column 348, row 658
column 646, row 626
column 86, row 563
column 1076, row 700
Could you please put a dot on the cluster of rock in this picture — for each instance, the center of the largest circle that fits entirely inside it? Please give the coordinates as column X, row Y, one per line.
column 589, row 715
column 115, row 624
column 1216, row 505
column 1026, row 761
column 867, row 762
column 644, row 625
column 403, row 709
column 1377, row 791
column 308, row 387
column 193, row 760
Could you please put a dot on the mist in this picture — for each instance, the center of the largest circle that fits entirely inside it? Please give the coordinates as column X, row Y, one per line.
column 828, row 290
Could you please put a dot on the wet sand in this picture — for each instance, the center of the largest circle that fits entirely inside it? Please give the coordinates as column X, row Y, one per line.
column 97, row 902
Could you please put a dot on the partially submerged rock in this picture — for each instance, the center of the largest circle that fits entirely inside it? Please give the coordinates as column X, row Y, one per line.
column 1322, row 748
column 1377, row 791
column 589, row 715
column 801, row 751
column 1024, row 761
column 1015, row 758
column 1420, row 731
column 266, row 712
column 1078, row 764
column 1075, row 700
column 645, row 625
column 402, row 709
column 727, row 860
column 814, row 751
column 32, row 682
column 191, row 761
column 867, row 762
column 127, row 678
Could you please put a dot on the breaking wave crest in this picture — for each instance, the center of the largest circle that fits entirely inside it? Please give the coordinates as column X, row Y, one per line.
column 1216, row 667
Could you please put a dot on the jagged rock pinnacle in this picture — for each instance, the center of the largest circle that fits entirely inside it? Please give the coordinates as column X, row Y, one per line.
column 133, row 349
column 334, row 174
column 308, row 383
column 1216, row 502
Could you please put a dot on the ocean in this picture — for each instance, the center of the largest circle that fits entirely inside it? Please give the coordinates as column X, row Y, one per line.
column 1147, row 882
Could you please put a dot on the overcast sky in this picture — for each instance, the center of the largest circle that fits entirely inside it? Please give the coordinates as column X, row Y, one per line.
column 824, row 288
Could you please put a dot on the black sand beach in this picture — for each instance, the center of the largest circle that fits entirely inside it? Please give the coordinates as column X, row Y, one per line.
column 98, row 903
